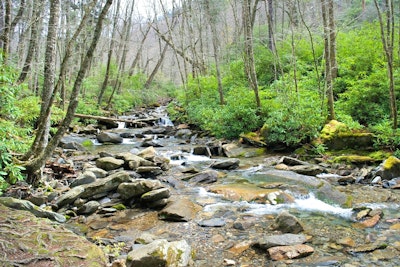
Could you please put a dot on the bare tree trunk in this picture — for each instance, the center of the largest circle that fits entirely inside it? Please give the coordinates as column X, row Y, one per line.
column 35, row 164
column 33, row 42
column 109, row 55
column 248, row 22
column 156, row 68
column 330, row 53
column 139, row 51
column 212, row 23
column 388, row 44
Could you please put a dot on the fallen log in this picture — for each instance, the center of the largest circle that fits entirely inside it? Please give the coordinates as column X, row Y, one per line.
column 110, row 119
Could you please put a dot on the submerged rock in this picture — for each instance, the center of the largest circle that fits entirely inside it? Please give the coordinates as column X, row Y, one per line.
column 280, row 240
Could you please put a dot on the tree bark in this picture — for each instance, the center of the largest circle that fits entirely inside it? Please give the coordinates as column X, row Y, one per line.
column 34, row 165
column 250, row 70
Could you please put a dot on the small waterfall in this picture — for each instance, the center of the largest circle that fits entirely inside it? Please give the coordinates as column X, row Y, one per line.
column 165, row 121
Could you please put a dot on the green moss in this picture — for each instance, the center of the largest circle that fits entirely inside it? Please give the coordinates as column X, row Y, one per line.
column 379, row 155
column 354, row 159
column 349, row 202
column 87, row 143
column 119, row 206
column 332, row 129
column 390, row 162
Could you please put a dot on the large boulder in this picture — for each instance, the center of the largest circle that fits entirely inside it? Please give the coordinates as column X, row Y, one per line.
column 229, row 164
column 288, row 223
column 106, row 137
column 180, row 210
column 30, row 241
column 137, row 188
column 389, row 169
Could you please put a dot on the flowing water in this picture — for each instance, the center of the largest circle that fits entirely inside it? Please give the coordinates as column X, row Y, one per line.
column 328, row 224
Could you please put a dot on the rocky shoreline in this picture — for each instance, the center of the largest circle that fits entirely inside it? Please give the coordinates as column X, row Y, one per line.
column 146, row 207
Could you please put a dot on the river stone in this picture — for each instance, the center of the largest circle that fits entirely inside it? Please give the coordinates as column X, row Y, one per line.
column 389, row 169
column 109, row 163
column 155, row 195
column 288, row 223
column 202, row 150
column 232, row 150
column 151, row 143
column 183, row 134
column 73, row 146
column 158, row 204
column 162, row 162
column 154, row 170
column 106, row 137
column 180, row 210
column 26, row 205
column 89, row 207
column 105, row 185
column 229, row 164
column 290, row 252
column 86, row 177
column 69, row 196
column 30, row 241
column 309, row 169
column 204, row 177
column 147, row 153
column 292, row 161
column 137, row 188
column 99, row 173
column 280, row 240
column 160, row 253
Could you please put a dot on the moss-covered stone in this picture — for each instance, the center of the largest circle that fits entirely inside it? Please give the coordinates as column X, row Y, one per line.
column 336, row 136
column 354, row 159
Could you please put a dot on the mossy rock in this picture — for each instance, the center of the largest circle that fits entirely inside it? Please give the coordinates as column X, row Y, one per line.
column 41, row 242
column 355, row 159
column 390, row 168
column 253, row 139
column 336, row 136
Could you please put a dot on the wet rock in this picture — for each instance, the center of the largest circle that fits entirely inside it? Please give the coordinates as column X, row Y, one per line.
column 280, row 240
column 151, row 143
column 204, row 177
column 89, row 207
column 26, row 205
column 290, row 161
column 202, row 150
column 183, row 134
column 145, row 238
column 150, row 170
column 155, row 195
column 38, row 199
column 288, row 223
column 367, row 248
column 160, row 253
column 229, row 164
column 180, row 210
column 310, row 169
column 86, row 177
column 106, row 137
column 109, row 163
column 89, row 129
column 290, row 252
column 162, row 162
column 214, row 222
column 239, row 248
column 73, row 146
column 137, row 188
column 233, row 150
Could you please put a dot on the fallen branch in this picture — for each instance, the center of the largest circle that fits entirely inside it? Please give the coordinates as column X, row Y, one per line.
column 108, row 119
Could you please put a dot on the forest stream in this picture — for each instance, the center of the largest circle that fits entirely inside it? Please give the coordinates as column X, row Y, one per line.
column 230, row 211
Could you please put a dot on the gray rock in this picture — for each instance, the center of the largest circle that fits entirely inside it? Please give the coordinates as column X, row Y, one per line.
column 105, row 185
column 288, row 223
column 106, row 137
column 280, row 240
column 109, row 163
column 205, row 177
column 73, row 146
column 86, row 177
column 137, row 188
column 155, row 195
column 202, row 150
column 233, row 150
column 89, row 207
column 160, row 253
column 70, row 196
column 183, row 134
column 292, row 161
column 180, row 210
column 229, row 164
column 308, row 169
column 99, row 173
column 151, row 143
column 20, row 204
column 152, row 170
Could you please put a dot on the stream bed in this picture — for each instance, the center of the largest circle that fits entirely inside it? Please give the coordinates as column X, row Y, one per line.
column 332, row 230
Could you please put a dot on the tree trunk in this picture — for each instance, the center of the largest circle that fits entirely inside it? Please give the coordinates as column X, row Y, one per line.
column 33, row 42
column 329, row 53
column 249, row 65
column 34, row 165
column 387, row 38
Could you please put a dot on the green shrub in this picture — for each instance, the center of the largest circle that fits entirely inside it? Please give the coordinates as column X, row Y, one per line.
column 385, row 136
column 10, row 173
